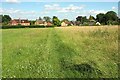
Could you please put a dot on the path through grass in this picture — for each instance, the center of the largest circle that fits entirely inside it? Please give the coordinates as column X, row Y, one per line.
column 60, row 52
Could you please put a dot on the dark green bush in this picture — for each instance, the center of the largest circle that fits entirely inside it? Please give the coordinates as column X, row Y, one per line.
column 20, row 26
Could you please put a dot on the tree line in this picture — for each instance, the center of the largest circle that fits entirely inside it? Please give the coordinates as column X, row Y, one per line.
column 109, row 18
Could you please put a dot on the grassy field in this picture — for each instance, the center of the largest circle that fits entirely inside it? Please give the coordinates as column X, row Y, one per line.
column 67, row 52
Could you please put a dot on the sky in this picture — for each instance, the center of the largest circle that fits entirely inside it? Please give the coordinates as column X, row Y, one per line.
column 32, row 10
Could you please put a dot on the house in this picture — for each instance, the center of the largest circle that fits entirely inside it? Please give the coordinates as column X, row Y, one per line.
column 43, row 23
column 92, row 22
column 97, row 23
column 39, row 22
column 49, row 24
column 78, row 23
column 23, row 22
column 66, row 23
column 72, row 23
column 15, row 22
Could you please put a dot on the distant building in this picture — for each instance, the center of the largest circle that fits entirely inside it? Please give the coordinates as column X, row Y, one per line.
column 39, row 22
column 97, row 23
column 73, row 23
column 49, row 24
column 15, row 22
column 23, row 22
column 92, row 22
column 66, row 23
column 43, row 23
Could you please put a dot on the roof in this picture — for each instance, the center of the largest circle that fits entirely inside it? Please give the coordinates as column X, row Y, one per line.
column 25, row 21
column 40, row 21
column 15, row 20
column 66, row 22
column 20, row 20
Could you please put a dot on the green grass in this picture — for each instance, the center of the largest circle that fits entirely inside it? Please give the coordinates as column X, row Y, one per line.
column 81, row 52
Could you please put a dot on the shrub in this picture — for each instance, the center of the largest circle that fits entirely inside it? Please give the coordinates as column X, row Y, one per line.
column 20, row 26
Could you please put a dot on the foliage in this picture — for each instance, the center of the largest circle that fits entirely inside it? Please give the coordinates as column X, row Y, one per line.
column 111, row 15
column 47, row 18
column 91, row 18
column 20, row 26
column 32, row 22
column 81, row 19
column 110, row 18
column 6, row 19
column 65, row 20
column 101, row 18
column 56, row 21
column 40, row 18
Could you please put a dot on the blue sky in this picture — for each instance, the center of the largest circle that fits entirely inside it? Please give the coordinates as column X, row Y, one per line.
column 70, row 10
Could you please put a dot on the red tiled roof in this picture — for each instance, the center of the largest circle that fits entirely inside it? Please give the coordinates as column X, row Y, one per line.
column 24, row 21
column 19, row 21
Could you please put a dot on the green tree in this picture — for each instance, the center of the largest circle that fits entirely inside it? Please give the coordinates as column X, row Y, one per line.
column 101, row 18
column 32, row 22
column 81, row 19
column 6, row 19
column 65, row 20
column 47, row 18
column 91, row 18
column 84, row 19
column 111, row 17
column 56, row 21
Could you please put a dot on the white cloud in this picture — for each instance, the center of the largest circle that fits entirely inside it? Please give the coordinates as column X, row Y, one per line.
column 12, row 1
column 113, row 8
column 1, row 10
column 16, row 11
column 94, row 12
column 52, row 7
column 44, row 12
column 71, row 8
column 58, row 8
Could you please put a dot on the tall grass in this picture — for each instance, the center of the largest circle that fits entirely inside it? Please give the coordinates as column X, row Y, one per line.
column 60, row 52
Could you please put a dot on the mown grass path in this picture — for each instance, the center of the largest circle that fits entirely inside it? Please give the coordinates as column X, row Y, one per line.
column 60, row 52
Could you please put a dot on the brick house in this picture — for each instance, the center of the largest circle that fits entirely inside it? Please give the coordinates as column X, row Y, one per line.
column 23, row 22
column 43, row 23
column 49, row 24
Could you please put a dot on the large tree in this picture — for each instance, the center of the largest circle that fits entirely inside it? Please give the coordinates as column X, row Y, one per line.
column 81, row 19
column 101, row 18
column 6, row 18
column 47, row 18
column 56, row 21
column 111, row 17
